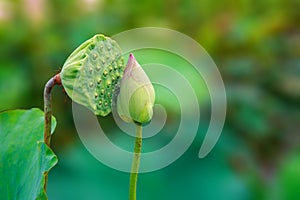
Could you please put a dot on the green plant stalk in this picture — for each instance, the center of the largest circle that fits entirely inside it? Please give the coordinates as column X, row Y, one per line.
column 48, row 113
column 135, row 162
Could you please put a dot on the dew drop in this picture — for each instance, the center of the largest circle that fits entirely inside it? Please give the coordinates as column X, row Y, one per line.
column 96, row 95
column 98, row 68
column 99, row 81
column 100, row 103
column 91, row 84
column 105, row 104
column 110, row 68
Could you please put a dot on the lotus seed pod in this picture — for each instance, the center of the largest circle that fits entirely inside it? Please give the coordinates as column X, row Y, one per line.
column 136, row 96
column 91, row 72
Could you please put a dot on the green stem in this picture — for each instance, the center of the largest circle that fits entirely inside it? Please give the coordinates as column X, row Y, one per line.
column 48, row 113
column 135, row 162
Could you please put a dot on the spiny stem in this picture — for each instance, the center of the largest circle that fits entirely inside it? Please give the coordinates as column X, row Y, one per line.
column 48, row 113
column 135, row 162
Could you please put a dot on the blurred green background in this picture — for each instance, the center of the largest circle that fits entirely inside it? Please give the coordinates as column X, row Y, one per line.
column 256, row 46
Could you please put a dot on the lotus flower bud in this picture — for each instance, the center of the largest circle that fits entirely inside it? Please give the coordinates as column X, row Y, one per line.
column 91, row 72
column 136, row 96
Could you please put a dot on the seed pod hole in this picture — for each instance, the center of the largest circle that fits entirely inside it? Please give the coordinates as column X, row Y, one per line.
column 92, row 46
column 83, row 56
column 108, row 84
column 93, row 67
column 102, row 92
column 95, row 56
column 105, row 73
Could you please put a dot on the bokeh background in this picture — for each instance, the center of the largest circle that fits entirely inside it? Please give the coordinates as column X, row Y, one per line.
column 256, row 46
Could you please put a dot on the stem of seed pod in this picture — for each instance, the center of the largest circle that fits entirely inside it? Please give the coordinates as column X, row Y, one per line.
column 135, row 162
column 48, row 113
